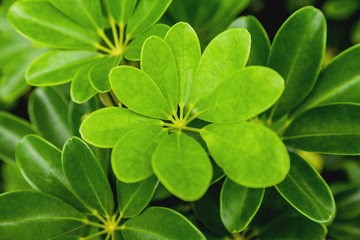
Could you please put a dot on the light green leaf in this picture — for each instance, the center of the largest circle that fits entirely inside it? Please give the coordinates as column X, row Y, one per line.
column 250, row 154
column 147, row 13
column 238, row 205
column 48, row 111
column 134, row 197
column 104, row 127
column 58, row 67
column 25, row 214
column 331, row 129
column 157, row 60
column 99, row 73
column 81, row 89
column 160, row 223
column 40, row 164
column 182, row 166
column 340, row 10
column 224, row 55
column 42, row 22
column 84, row 12
column 76, row 112
column 86, row 177
column 293, row 227
column 242, row 96
column 121, row 10
column 260, row 43
column 139, row 92
column 133, row 49
column 131, row 156
column 339, row 81
column 297, row 54
column 185, row 46
column 12, row 129
column 306, row 191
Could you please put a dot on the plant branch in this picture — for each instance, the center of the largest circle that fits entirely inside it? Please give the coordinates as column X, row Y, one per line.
column 106, row 40
column 115, row 33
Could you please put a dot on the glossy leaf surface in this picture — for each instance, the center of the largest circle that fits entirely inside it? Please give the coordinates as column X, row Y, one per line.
column 99, row 73
column 81, row 89
column 182, row 166
column 257, row 159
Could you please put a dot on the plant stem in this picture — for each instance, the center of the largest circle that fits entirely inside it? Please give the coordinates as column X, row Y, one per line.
column 175, row 116
column 106, row 40
column 96, row 214
column 116, row 100
column 102, row 48
column 192, row 118
column 94, row 235
column 193, row 129
column 115, row 33
column 189, row 111
column 121, row 35
column 106, row 100
column 108, row 236
column 181, row 106
column 88, row 222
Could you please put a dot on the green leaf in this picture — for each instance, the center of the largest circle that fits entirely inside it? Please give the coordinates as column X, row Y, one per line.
column 345, row 230
column 160, row 223
column 12, row 129
column 77, row 111
column 86, row 177
column 131, row 156
column 339, row 81
column 104, row 127
column 25, row 214
column 121, row 10
column 331, row 129
column 182, row 166
column 99, row 73
column 158, row 61
column 224, row 55
column 48, row 111
column 58, row 67
column 147, row 13
column 133, row 49
column 306, row 191
column 238, row 205
column 293, row 227
column 84, row 12
column 134, row 197
column 42, row 22
column 40, row 164
column 81, row 89
column 257, row 159
column 12, row 179
column 242, row 96
column 139, row 92
column 260, row 43
column 185, row 46
column 297, row 54
column 340, row 10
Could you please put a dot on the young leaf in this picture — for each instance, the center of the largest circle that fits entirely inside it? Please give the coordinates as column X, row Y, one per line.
column 185, row 46
column 257, row 159
column 224, row 55
column 160, row 223
column 157, row 60
column 182, row 166
column 25, row 214
column 331, row 129
column 105, row 126
column 142, row 94
column 134, row 197
column 42, row 22
column 306, row 191
column 297, row 54
column 238, row 205
column 131, row 156
column 86, row 176
column 339, row 81
column 40, row 163
column 147, row 13
column 121, row 10
column 48, row 113
column 81, row 89
column 242, row 96
column 133, row 49
column 58, row 67
column 12, row 129
column 260, row 43
column 84, row 12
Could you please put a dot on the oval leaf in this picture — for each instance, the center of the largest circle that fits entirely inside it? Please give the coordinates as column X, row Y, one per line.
column 182, row 166
column 331, row 129
column 238, row 205
column 242, row 96
column 160, row 223
column 306, row 191
column 86, row 177
column 81, row 89
column 25, row 214
column 297, row 54
column 250, row 154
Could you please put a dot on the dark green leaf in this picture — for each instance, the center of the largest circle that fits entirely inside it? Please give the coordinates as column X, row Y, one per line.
column 12, row 179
